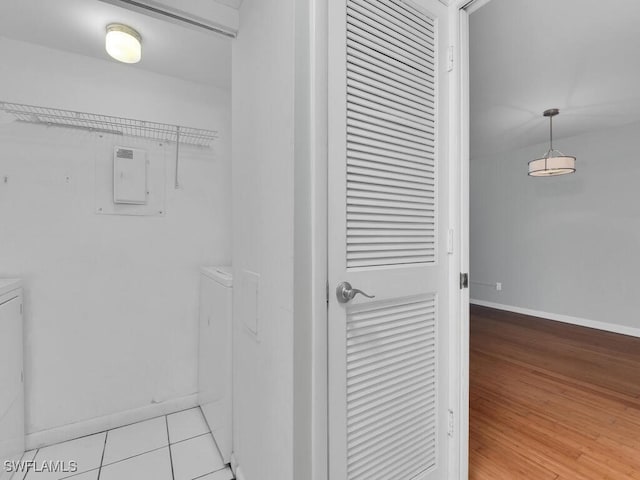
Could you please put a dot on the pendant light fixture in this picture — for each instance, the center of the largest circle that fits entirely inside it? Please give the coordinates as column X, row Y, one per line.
column 554, row 162
column 123, row 43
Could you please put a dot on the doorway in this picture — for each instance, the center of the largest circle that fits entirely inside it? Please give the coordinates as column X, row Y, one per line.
column 538, row 303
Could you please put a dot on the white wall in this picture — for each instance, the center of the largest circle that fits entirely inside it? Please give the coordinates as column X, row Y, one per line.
column 310, row 242
column 111, row 301
column 566, row 245
column 42, row 76
column 263, row 168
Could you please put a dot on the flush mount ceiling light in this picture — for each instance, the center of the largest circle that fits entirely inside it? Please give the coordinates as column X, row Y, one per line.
column 123, row 43
column 554, row 162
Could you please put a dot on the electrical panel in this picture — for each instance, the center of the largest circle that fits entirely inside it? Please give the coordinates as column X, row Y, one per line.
column 129, row 176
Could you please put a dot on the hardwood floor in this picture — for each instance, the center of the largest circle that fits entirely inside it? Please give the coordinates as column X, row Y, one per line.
column 552, row 401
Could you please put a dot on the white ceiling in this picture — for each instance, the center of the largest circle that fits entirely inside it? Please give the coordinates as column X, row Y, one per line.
column 78, row 26
column 581, row 56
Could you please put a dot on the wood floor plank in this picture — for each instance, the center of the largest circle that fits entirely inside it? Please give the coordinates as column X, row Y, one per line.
column 552, row 401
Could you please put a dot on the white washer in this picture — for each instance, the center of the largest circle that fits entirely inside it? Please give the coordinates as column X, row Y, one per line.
column 11, row 378
column 214, row 354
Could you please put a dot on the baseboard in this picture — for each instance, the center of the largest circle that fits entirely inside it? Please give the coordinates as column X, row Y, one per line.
column 107, row 422
column 235, row 468
column 583, row 322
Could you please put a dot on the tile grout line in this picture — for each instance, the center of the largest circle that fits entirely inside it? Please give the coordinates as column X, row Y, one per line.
column 183, row 410
column 104, row 449
column 134, row 456
column 191, row 438
column 209, row 473
column 34, row 457
column 166, row 422
column 78, row 474
column 214, row 471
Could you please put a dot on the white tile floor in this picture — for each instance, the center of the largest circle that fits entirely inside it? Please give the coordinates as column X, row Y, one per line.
column 173, row 447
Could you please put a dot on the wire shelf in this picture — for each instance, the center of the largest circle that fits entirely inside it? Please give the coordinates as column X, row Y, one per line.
column 108, row 124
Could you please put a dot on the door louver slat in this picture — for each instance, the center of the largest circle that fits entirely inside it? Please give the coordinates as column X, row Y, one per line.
column 382, row 79
column 392, row 320
column 367, row 13
column 371, row 124
column 377, row 316
column 408, row 378
column 398, row 226
column 415, row 184
column 402, row 437
column 393, row 407
column 376, row 10
column 409, row 16
column 373, row 119
column 387, row 218
column 359, row 101
column 391, row 147
column 392, row 105
column 410, row 205
column 388, row 45
column 364, row 148
column 364, row 55
column 359, row 189
column 373, row 171
column 358, row 32
column 390, row 91
column 372, row 410
column 392, row 369
column 387, row 424
column 357, row 129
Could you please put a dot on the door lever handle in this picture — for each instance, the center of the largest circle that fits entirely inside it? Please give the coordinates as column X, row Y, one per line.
column 345, row 292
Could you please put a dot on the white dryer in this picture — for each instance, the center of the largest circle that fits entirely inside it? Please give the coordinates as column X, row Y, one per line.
column 215, row 354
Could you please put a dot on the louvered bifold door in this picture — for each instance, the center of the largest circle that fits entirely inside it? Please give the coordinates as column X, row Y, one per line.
column 387, row 198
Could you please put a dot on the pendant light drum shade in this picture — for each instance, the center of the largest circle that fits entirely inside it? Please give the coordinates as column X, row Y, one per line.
column 550, row 166
column 554, row 162
column 123, row 43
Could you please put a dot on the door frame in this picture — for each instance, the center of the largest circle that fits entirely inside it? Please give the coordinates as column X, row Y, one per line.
column 459, row 259
column 311, row 246
column 460, row 144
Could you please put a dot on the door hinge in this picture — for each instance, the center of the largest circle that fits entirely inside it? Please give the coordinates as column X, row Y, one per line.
column 451, row 424
column 464, row 280
column 21, row 309
column 450, row 62
column 327, row 292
